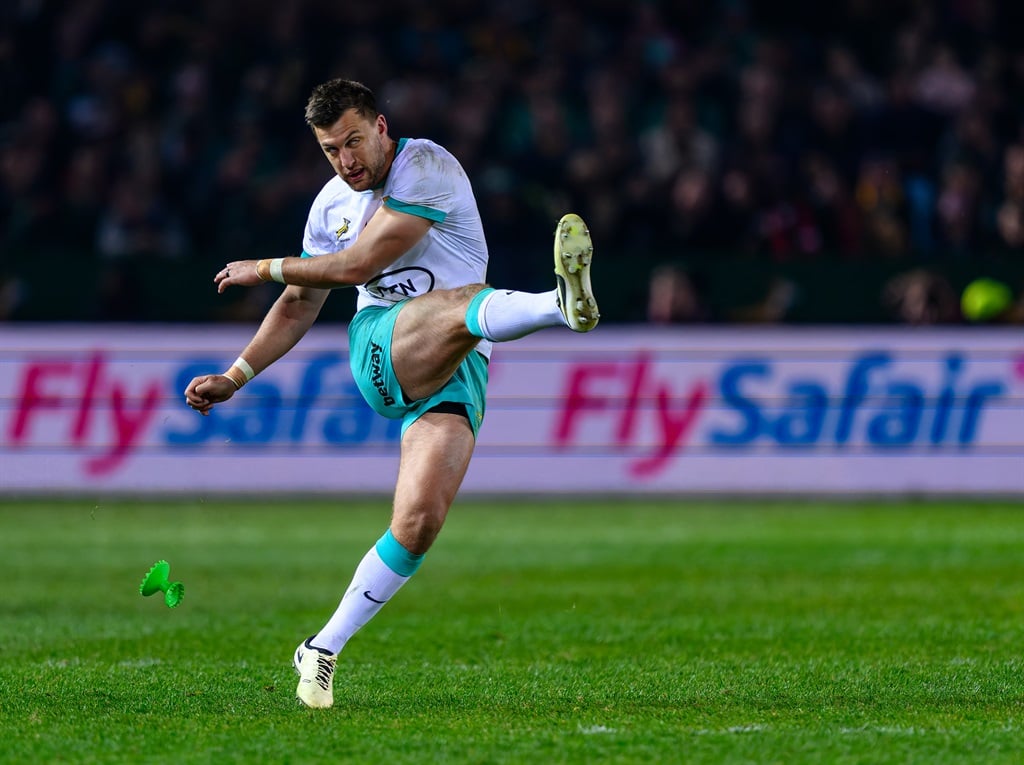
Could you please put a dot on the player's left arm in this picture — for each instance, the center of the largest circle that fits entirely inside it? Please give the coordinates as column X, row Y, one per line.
column 388, row 235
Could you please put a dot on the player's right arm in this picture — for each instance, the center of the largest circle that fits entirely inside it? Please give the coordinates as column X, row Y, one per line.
column 287, row 321
column 387, row 236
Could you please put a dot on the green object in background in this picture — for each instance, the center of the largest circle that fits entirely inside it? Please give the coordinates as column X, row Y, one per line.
column 158, row 580
column 984, row 299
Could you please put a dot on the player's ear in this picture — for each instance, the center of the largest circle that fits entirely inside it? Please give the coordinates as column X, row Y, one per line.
column 382, row 125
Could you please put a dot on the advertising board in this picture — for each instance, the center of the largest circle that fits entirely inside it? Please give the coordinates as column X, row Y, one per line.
column 630, row 410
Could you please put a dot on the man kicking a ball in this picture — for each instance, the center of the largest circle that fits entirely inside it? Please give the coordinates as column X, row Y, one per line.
column 400, row 222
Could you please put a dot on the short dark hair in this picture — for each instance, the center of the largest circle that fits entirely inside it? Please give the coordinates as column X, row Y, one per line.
column 333, row 98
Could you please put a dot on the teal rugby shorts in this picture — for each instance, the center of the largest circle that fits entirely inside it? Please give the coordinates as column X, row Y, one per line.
column 369, row 342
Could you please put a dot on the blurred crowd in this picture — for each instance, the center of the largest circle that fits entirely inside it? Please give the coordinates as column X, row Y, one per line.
column 171, row 131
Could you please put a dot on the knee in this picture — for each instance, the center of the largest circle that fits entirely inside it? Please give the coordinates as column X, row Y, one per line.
column 417, row 527
column 449, row 312
column 462, row 295
column 445, row 309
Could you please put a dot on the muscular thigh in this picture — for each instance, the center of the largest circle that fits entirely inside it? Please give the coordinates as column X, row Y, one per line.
column 436, row 450
column 430, row 340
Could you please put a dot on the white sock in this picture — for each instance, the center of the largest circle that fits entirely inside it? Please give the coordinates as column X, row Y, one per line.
column 508, row 315
column 372, row 585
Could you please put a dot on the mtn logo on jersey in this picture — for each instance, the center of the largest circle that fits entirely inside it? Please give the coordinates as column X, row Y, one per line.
column 395, row 286
column 342, row 229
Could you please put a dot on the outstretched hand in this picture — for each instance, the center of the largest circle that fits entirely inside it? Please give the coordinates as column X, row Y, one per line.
column 206, row 390
column 238, row 273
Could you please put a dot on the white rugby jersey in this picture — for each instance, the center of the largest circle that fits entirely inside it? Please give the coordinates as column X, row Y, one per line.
column 425, row 180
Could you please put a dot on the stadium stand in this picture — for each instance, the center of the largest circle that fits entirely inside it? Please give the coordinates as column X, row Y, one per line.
column 798, row 162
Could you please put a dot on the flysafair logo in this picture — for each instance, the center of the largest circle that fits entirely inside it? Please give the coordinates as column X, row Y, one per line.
column 85, row 404
column 873, row 405
column 321, row 408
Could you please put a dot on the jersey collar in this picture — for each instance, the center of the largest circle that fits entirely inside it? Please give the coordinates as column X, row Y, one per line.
column 401, row 145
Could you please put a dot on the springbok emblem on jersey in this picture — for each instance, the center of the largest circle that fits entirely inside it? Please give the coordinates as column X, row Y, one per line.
column 342, row 229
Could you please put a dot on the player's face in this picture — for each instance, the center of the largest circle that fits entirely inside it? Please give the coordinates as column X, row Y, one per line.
column 356, row 147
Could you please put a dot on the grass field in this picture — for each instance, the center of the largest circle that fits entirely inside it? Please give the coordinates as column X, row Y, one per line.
column 537, row 632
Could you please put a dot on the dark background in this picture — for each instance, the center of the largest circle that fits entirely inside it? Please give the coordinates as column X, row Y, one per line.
column 856, row 161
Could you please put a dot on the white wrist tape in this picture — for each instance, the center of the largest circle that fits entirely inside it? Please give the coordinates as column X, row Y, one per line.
column 275, row 270
column 246, row 368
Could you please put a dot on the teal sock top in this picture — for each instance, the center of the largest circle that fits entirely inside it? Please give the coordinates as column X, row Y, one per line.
column 396, row 557
column 473, row 313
